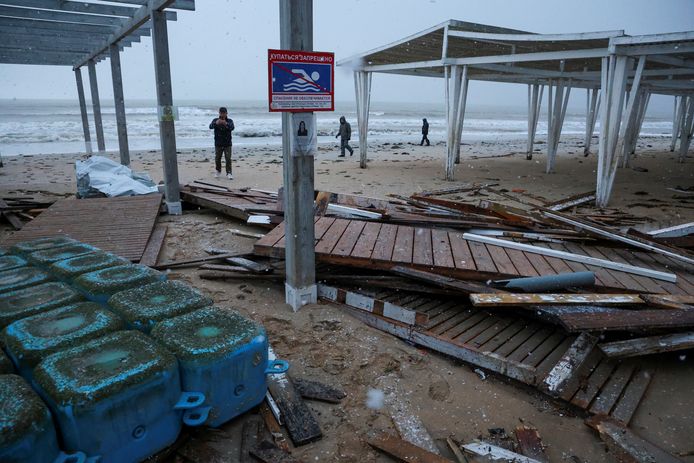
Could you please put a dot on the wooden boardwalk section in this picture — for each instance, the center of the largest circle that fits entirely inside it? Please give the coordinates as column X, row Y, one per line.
column 508, row 344
column 121, row 225
column 383, row 245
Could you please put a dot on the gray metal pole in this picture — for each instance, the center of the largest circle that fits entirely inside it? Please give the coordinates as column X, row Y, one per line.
column 167, row 134
column 119, row 102
column 83, row 111
column 296, row 33
column 96, row 106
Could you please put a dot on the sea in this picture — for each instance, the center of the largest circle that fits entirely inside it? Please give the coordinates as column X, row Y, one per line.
column 54, row 126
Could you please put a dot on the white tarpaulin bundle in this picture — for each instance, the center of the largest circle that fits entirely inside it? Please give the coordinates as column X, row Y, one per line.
column 102, row 175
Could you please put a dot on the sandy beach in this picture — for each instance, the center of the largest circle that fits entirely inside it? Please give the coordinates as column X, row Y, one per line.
column 324, row 343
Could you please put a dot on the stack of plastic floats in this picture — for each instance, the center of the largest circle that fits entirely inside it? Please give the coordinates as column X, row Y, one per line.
column 113, row 359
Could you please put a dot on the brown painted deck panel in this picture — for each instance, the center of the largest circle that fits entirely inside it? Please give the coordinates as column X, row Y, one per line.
column 502, row 260
column 332, row 236
column 462, row 256
column 367, row 241
column 120, row 225
column 483, row 260
column 385, row 242
column 423, row 252
column 521, row 262
column 349, row 238
column 443, row 255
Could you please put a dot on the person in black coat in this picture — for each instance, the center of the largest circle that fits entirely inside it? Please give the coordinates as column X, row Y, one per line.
column 425, row 132
column 222, row 126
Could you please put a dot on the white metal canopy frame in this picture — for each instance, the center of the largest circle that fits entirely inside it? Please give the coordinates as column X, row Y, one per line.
column 619, row 73
column 78, row 33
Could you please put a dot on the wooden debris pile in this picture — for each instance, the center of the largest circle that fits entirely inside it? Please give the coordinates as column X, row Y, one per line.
column 558, row 295
column 17, row 210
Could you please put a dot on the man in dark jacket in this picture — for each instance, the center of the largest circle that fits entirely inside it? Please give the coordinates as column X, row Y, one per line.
column 425, row 132
column 345, row 133
column 222, row 126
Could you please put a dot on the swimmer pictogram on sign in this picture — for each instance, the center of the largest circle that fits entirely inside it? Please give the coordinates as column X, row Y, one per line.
column 300, row 81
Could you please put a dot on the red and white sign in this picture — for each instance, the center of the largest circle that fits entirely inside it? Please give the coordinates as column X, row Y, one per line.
column 301, row 81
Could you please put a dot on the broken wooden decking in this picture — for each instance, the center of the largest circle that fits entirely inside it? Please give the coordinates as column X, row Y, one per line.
column 519, row 348
column 384, row 246
column 120, row 225
column 234, row 203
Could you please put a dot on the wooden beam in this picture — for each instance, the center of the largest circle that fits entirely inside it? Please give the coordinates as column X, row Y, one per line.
column 626, row 320
column 563, row 371
column 493, row 453
column 444, row 281
column 516, row 299
column 403, row 451
column 674, row 231
column 672, row 278
column 649, row 345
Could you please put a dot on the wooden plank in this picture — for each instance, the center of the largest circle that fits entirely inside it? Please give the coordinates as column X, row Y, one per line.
column 332, row 235
column 443, row 255
column 484, row 336
column 196, row 261
column 546, row 348
column 422, row 252
column 349, row 238
column 669, row 301
column 250, row 265
column 554, row 356
column 521, row 262
column 530, row 344
column 569, row 363
column 594, row 382
column 609, row 278
column 502, row 261
column 404, row 242
column 475, row 330
column 634, row 392
column 318, row 391
column 153, row 248
column 627, row 320
column 465, row 325
column 540, row 264
column 272, row 237
column 577, row 379
column 530, row 442
column 503, row 336
column 612, row 389
column 648, row 345
column 644, row 284
column 516, row 299
column 518, row 339
column 450, row 322
column 483, row 260
column 322, row 226
column 626, row 445
column 365, row 245
column 383, row 250
column 403, row 451
column 249, row 437
column 573, row 257
column 462, row 256
column 297, row 417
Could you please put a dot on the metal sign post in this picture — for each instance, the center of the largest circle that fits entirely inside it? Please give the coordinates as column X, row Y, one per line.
column 299, row 82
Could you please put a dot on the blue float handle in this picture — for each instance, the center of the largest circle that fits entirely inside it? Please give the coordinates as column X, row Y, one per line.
column 74, row 457
column 276, row 367
column 190, row 400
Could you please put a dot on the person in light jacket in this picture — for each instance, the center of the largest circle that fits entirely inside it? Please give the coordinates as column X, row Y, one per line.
column 222, row 126
column 345, row 133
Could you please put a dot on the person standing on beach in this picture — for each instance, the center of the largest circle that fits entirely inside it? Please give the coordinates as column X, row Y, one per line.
column 425, row 132
column 222, row 126
column 345, row 133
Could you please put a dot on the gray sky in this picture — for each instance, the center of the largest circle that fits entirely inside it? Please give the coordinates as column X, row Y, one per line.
column 219, row 52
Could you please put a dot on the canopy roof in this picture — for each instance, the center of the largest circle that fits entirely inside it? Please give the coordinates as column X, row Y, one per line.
column 507, row 55
column 70, row 33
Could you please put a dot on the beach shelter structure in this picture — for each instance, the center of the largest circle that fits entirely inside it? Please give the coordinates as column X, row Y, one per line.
column 618, row 72
column 83, row 33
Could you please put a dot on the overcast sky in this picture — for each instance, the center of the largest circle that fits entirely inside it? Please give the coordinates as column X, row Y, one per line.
column 219, row 52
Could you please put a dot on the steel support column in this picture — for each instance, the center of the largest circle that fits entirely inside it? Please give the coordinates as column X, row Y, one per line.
column 96, row 106
column 119, row 102
column 83, row 111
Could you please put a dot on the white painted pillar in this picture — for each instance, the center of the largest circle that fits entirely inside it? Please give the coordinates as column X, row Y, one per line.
column 687, row 130
column 534, row 103
column 676, row 110
column 83, row 110
column 96, row 106
column 362, row 88
column 629, row 117
column 461, row 113
column 119, row 103
column 453, row 80
column 592, row 104
column 555, row 123
column 613, row 83
column 681, row 117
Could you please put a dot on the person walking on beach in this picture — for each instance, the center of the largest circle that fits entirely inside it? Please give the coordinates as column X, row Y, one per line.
column 222, row 126
column 345, row 133
column 425, row 132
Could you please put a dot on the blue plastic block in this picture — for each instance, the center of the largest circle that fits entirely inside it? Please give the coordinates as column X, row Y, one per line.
column 27, row 434
column 15, row 305
column 27, row 247
column 10, row 262
column 21, row 277
column 144, row 306
column 30, row 340
column 222, row 355
column 49, row 256
column 113, row 397
column 99, row 286
column 5, row 364
column 69, row 269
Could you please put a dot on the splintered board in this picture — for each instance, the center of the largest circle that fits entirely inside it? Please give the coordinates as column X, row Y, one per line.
column 385, row 246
